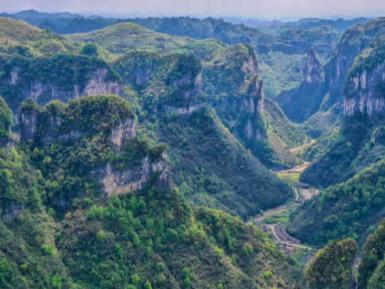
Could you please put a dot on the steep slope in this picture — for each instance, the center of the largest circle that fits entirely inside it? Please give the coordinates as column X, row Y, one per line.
column 329, row 92
column 360, row 141
column 331, row 267
column 215, row 170
column 278, row 54
column 371, row 269
column 302, row 102
column 89, row 204
column 63, row 77
column 346, row 209
column 282, row 134
column 213, row 166
column 233, row 87
column 230, row 79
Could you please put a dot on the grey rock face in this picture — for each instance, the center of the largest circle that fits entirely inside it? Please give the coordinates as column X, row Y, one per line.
column 313, row 70
column 365, row 92
column 133, row 178
column 124, row 131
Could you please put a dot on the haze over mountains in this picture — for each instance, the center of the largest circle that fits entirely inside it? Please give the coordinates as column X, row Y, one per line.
column 177, row 152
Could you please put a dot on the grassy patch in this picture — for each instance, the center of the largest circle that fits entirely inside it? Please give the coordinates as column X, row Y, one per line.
column 291, row 178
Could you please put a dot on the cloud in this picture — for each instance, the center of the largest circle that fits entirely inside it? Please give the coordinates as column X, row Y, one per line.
column 257, row 8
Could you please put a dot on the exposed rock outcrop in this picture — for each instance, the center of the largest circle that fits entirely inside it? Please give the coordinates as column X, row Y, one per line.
column 352, row 43
column 240, row 89
column 28, row 120
column 313, row 70
column 117, row 182
column 98, row 84
column 48, row 126
column 301, row 102
column 252, row 107
column 60, row 77
column 365, row 92
column 124, row 131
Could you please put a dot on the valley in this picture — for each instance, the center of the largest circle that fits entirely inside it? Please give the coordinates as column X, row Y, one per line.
column 274, row 221
column 191, row 153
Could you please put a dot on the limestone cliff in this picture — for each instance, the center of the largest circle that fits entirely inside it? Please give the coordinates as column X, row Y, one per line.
column 301, row 102
column 133, row 178
column 365, row 87
column 313, row 70
column 234, row 89
column 106, row 127
column 353, row 42
column 49, row 125
column 60, row 77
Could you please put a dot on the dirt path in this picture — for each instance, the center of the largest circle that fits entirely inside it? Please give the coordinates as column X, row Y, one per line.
column 297, row 169
column 299, row 149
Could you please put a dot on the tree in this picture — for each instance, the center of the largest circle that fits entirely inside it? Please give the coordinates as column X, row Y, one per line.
column 90, row 49
column 331, row 268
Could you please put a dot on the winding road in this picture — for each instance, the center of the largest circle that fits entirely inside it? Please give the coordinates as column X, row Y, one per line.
column 303, row 192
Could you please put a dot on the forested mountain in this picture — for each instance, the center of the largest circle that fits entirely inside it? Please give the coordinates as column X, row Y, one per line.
column 359, row 143
column 159, row 153
column 69, row 203
column 352, row 166
column 62, row 23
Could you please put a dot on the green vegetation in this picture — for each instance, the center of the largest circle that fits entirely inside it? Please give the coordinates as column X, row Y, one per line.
column 151, row 189
column 346, row 209
column 5, row 120
column 17, row 36
column 291, row 178
column 372, row 265
column 62, row 23
column 123, row 37
column 58, row 229
column 49, row 77
column 331, row 268
column 343, row 158
column 215, row 170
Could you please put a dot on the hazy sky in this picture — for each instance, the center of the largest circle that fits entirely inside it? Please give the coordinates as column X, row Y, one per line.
column 256, row 8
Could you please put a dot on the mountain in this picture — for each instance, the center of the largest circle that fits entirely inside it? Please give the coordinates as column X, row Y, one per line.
column 346, row 209
column 302, row 102
column 352, row 166
column 19, row 37
column 62, row 23
column 230, row 78
column 339, row 24
column 125, row 36
column 332, row 266
column 280, row 55
column 87, row 202
column 329, row 92
column 207, row 157
column 165, row 83
column 359, row 142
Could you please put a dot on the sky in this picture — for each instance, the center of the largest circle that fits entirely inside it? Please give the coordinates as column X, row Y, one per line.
column 266, row 9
